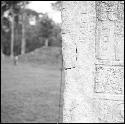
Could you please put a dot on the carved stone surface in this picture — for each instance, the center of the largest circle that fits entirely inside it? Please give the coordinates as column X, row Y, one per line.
column 69, row 48
column 120, row 11
column 119, row 40
column 105, row 40
column 109, row 79
column 90, row 29
column 119, row 28
column 78, row 42
column 109, row 111
column 110, row 10
column 110, row 30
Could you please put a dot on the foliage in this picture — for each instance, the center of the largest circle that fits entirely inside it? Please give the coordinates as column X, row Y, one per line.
column 45, row 28
column 48, row 29
column 57, row 5
column 8, row 5
column 5, row 42
column 13, row 8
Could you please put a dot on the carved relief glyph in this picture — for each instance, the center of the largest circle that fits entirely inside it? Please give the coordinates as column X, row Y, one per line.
column 85, row 23
column 110, row 19
column 109, row 79
column 105, row 40
column 109, row 111
column 109, row 46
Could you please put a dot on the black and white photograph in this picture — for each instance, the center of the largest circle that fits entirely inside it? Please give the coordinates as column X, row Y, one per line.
column 62, row 62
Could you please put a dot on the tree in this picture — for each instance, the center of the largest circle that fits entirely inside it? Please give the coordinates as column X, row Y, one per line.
column 56, row 35
column 57, row 5
column 11, row 6
column 35, row 35
column 5, row 36
column 46, row 28
column 14, row 8
column 23, row 30
column 26, row 15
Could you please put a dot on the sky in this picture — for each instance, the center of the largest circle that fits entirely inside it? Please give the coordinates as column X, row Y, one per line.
column 45, row 7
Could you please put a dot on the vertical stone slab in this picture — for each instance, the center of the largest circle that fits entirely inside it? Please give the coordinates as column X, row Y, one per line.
column 78, row 33
column 109, row 68
column 68, row 34
column 93, row 50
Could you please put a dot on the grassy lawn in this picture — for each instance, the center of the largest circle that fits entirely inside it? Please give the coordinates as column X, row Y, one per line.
column 29, row 94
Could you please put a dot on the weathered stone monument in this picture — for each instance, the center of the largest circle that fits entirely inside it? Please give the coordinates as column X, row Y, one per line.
column 93, row 52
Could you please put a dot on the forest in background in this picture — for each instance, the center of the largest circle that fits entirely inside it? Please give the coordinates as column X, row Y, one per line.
column 23, row 30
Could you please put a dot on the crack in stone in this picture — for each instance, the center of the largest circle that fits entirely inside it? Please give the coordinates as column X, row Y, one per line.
column 76, row 53
column 69, row 68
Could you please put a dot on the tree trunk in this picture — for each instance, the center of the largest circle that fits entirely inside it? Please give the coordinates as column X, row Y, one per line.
column 23, row 37
column 2, row 55
column 12, row 35
column 23, row 33
column 46, row 43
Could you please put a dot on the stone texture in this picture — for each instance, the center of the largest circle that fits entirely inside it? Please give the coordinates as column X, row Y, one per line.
column 105, row 40
column 119, row 40
column 93, row 34
column 109, row 79
column 77, row 101
column 109, row 111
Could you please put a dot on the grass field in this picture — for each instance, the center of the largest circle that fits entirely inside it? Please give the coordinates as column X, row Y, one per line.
column 30, row 92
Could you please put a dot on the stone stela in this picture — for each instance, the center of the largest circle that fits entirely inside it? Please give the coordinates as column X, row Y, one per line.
column 93, row 53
